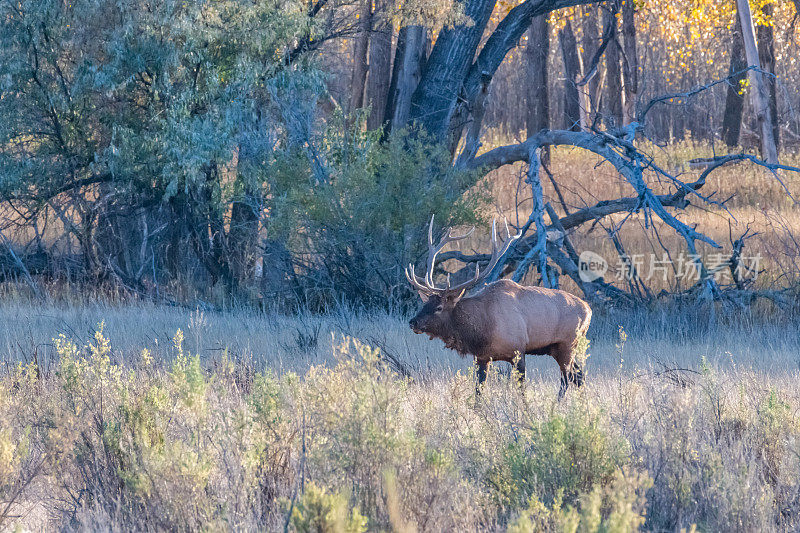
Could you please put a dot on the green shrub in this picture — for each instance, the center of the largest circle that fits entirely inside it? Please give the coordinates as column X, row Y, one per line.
column 16, row 457
column 615, row 508
column 317, row 511
column 352, row 233
column 559, row 458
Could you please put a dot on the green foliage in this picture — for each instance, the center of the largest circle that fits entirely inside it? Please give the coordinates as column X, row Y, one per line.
column 365, row 220
column 355, row 446
column 16, row 456
column 169, row 112
column 164, row 94
column 199, row 135
column 615, row 508
column 361, row 418
column 319, row 512
column 581, row 350
column 558, row 459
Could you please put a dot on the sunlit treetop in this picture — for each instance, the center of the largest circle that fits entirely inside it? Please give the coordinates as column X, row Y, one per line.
column 680, row 36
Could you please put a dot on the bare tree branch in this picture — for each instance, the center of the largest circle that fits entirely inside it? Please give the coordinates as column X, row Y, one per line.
column 687, row 94
column 630, row 163
column 21, row 267
column 539, row 250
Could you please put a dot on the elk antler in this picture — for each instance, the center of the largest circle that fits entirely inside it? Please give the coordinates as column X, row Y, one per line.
column 426, row 285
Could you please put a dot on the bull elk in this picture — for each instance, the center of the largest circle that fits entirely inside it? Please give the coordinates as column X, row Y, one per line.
column 504, row 321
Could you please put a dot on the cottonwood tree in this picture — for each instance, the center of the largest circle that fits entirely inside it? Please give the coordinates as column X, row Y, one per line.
column 448, row 101
column 613, row 92
column 574, row 105
column 765, row 36
column 734, row 100
column 144, row 131
column 630, row 60
column 196, row 126
column 537, row 99
column 380, row 67
column 456, row 72
column 760, row 92
column 359, row 81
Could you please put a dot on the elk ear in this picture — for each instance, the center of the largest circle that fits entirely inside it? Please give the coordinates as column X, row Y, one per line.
column 424, row 296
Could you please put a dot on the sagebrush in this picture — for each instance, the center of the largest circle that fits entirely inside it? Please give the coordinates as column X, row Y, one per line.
column 353, row 445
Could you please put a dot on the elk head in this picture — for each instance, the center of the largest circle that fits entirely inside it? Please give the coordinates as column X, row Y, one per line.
column 435, row 317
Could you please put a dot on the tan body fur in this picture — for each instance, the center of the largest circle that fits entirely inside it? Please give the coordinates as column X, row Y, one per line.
column 506, row 319
column 517, row 319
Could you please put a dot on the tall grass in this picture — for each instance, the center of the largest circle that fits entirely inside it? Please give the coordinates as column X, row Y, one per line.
column 158, row 418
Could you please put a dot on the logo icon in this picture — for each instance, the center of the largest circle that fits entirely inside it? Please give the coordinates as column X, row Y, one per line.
column 591, row 266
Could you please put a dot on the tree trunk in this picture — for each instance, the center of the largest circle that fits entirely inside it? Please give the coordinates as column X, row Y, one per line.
column 472, row 141
column 536, row 94
column 572, row 101
column 380, row 67
column 678, row 126
column 176, row 247
column 409, row 60
column 435, row 97
column 759, row 94
column 453, row 75
column 360, row 65
column 243, row 237
column 630, row 60
column 766, row 54
column 277, row 272
column 613, row 95
column 590, row 43
column 734, row 101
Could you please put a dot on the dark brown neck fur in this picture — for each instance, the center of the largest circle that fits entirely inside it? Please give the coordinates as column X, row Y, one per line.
column 467, row 334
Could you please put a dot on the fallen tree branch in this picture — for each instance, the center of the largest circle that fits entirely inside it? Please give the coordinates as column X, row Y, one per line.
column 629, row 167
column 26, row 275
column 620, row 151
column 539, row 249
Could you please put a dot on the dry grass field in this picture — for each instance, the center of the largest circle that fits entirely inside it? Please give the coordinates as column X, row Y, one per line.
column 121, row 417
column 206, row 209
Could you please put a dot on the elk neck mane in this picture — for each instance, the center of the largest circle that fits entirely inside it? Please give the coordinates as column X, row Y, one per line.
column 469, row 328
column 468, row 331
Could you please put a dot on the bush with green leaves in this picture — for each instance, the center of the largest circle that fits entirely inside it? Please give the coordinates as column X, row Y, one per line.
column 352, row 232
column 560, row 458
column 352, row 445
column 319, row 512
column 180, row 142
column 143, row 128
column 618, row 507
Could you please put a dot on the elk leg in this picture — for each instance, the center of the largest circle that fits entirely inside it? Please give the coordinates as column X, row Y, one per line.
column 480, row 372
column 576, row 376
column 520, row 366
column 563, row 356
column 562, row 390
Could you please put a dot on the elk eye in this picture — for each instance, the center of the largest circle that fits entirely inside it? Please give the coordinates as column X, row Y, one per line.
column 438, row 308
